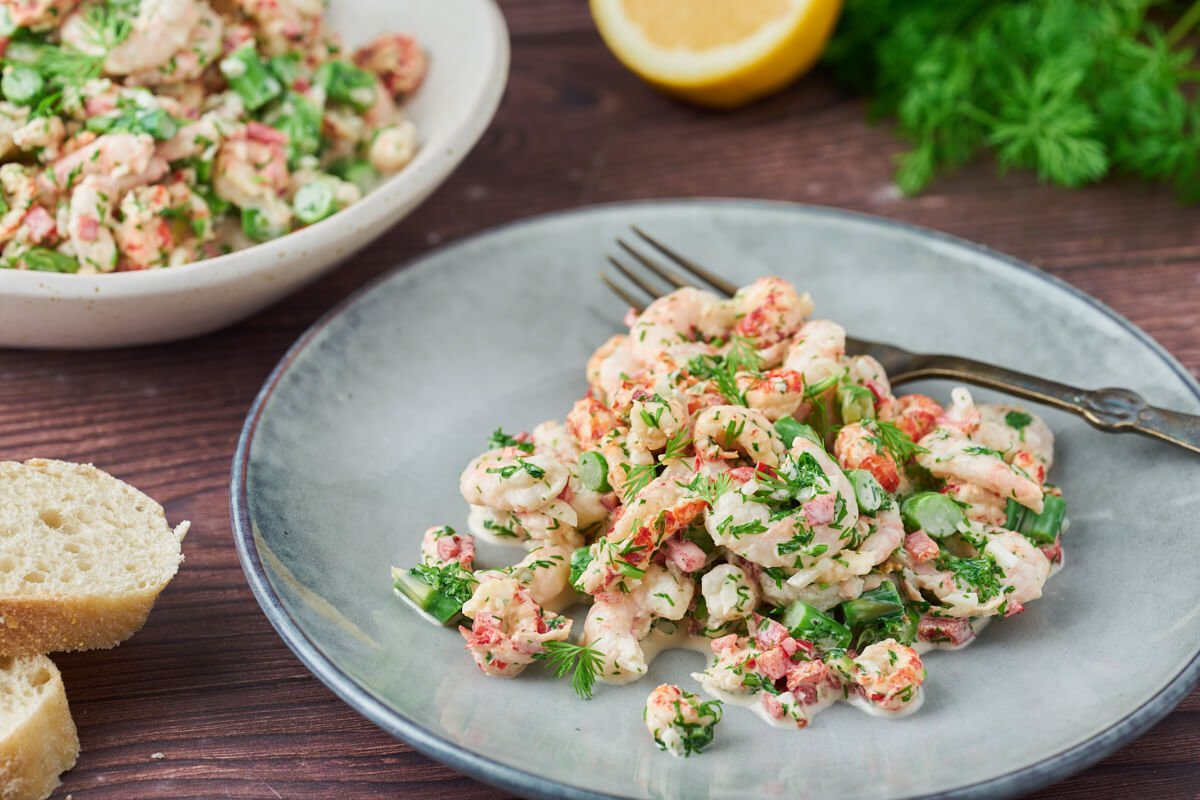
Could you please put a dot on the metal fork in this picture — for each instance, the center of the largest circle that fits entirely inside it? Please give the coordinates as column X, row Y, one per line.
column 1114, row 410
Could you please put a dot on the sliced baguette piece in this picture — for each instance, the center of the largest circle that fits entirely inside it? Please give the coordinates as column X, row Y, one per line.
column 82, row 557
column 38, row 741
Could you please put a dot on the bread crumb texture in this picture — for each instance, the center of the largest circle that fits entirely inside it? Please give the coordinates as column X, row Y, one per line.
column 82, row 557
column 38, row 740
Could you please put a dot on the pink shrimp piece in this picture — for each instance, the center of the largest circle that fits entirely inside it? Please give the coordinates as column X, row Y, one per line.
column 953, row 631
column 770, row 312
column 38, row 13
column 889, row 674
column 398, row 61
column 685, row 554
column 589, row 420
column 777, row 393
column 856, row 447
column 915, row 414
column 921, row 547
column 443, row 545
column 123, row 160
column 509, row 629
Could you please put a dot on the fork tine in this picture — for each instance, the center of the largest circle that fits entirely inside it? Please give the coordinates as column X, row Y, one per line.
column 700, row 272
column 637, row 307
column 654, row 266
column 641, row 282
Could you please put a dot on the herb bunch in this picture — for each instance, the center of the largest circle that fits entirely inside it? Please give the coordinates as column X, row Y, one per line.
column 1074, row 90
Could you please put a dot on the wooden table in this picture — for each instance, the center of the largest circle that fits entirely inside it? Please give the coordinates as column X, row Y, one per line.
column 208, row 684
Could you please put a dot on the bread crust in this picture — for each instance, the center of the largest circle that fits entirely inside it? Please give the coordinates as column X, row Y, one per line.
column 41, row 746
column 30, row 625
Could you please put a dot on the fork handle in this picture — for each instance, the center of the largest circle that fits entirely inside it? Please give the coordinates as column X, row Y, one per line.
column 1115, row 410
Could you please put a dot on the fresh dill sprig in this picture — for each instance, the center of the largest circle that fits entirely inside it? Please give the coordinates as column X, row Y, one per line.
column 889, row 436
column 637, row 477
column 708, row 487
column 579, row 660
column 677, row 446
column 742, row 356
column 1073, row 90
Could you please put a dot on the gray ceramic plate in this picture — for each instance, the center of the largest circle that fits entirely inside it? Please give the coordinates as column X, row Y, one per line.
column 355, row 444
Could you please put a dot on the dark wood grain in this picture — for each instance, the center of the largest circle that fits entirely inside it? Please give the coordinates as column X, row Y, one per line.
column 210, row 686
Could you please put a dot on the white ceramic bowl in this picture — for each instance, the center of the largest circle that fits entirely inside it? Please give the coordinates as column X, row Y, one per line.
column 467, row 43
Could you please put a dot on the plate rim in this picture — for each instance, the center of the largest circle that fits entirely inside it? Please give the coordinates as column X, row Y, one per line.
column 1050, row 769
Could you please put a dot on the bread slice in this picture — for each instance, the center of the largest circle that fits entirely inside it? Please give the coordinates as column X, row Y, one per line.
column 38, row 741
column 82, row 557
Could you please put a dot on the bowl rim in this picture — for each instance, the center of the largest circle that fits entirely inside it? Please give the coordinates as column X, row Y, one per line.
column 1050, row 769
column 433, row 162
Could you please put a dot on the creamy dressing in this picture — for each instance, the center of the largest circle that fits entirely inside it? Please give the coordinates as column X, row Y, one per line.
column 656, row 642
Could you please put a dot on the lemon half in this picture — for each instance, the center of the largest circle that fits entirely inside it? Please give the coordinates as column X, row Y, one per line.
column 718, row 53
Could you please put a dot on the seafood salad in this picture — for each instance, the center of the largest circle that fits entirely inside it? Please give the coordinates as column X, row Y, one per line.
column 137, row 134
column 734, row 481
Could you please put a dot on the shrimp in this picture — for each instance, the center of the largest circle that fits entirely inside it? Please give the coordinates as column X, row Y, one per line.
column 393, row 146
column 979, row 504
column 1026, row 567
column 20, row 192
column 285, row 24
column 192, row 139
column 1009, row 572
column 823, row 512
column 874, row 539
column 679, row 325
column 189, row 62
column 549, row 525
column 914, row 414
column 868, row 372
column 89, row 223
column 658, row 512
column 745, row 665
column 817, row 350
column 653, row 421
column 770, row 312
column 1011, row 429
column 251, row 171
column 618, row 621
column 161, row 223
column 777, row 393
column 122, row 160
column 607, row 366
column 442, row 545
column 858, row 447
column 729, row 594
column 37, row 14
column 44, row 133
column 545, row 572
column 951, row 454
column 509, row 628
column 889, row 675
column 678, row 721
column 725, row 432
column 962, row 413
column 159, row 30
column 509, row 479
column 12, row 119
column 553, row 437
column 590, row 421
column 883, row 534
column 397, row 60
